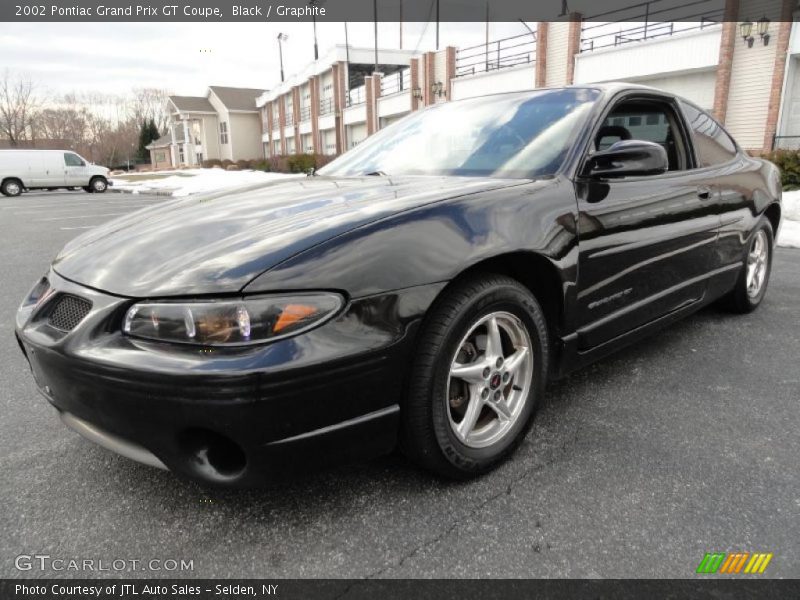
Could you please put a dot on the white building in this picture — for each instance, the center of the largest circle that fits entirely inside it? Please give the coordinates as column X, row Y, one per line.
column 224, row 125
column 750, row 82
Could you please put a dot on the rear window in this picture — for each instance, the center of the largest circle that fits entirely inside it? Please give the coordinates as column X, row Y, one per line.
column 711, row 144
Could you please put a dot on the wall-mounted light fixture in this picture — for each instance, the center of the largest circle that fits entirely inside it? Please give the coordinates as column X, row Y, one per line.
column 745, row 30
column 437, row 88
column 417, row 93
column 763, row 29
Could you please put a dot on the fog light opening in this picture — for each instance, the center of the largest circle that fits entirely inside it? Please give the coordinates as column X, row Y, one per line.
column 213, row 455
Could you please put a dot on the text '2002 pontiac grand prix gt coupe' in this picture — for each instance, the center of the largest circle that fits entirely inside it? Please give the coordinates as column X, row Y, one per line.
column 419, row 290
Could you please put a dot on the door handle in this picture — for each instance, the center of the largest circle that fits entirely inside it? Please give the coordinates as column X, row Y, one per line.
column 704, row 192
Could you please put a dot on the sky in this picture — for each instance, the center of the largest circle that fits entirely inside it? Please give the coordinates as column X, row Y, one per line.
column 185, row 58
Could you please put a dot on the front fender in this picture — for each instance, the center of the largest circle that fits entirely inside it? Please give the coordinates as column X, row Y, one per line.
column 435, row 243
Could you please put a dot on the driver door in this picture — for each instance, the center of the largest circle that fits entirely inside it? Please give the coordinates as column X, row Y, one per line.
column 646, row 243
column 75, row 172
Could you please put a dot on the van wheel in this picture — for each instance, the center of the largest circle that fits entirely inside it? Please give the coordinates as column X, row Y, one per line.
column 88, row 189
column 98, row 185
column 11, row 187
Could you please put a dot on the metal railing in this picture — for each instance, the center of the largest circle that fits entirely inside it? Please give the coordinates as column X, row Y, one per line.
column 498, row 54
column 396, row 82
column 289, row 118
column 647, row 21
column 325, row 106
column 305, row 113
column 786, row 142
column 357, row 95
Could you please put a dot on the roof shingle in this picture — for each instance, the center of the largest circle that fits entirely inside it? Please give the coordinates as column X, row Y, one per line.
column 192, row 103
column 237, row 98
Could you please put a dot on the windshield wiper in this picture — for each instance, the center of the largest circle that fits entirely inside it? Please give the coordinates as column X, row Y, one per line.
column 377, row 174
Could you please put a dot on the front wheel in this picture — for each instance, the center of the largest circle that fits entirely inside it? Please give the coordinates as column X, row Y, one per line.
column 751, row 286
column 98, row 185
column 479, row 371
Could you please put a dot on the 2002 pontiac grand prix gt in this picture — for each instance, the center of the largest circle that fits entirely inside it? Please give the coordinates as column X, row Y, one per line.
column 419, row 290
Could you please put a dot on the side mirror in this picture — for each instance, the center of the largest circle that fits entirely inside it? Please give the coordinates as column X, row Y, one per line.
column 628, row 158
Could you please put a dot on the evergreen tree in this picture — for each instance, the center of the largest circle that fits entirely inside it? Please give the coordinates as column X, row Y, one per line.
column 148, row 133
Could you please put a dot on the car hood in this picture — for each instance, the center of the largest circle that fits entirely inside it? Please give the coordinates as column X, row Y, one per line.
column 218, row 243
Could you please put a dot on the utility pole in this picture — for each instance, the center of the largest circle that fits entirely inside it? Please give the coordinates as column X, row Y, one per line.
column 375, row 18
column 486, row 42
column 401, row 24
column 437, row 24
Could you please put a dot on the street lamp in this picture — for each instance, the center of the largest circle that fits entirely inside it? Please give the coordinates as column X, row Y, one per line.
column 282, row 37
column 314, row 4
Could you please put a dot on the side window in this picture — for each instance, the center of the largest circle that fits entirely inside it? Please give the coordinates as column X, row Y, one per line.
column 711, row 144
column 72, row 160
column 648, row 120
column 223, row 132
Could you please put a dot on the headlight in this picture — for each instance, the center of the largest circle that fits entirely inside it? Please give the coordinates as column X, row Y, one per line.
column 230, row 322
column 38, row 294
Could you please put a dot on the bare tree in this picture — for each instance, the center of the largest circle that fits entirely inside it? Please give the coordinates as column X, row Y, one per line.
column 18, row 106
column 65, row 124
column 150, row 103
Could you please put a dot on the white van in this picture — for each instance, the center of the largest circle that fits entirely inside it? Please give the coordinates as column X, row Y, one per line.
column 22, row 170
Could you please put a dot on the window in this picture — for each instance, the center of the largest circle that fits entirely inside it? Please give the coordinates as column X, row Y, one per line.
column 73, row 160
column 161, row 157
column 515, row 135
column 644, row 119
column 223, row 132
column 711, row 144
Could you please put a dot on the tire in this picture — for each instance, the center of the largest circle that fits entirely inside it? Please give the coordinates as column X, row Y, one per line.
column 748, row 292
column 98, row 185
column 88, row 189
column 438, row 409
column 11, row 187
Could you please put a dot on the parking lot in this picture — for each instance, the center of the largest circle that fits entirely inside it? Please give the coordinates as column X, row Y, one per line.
column 637, row 466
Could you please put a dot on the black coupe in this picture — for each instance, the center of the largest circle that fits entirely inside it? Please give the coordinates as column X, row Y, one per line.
column 418, row 291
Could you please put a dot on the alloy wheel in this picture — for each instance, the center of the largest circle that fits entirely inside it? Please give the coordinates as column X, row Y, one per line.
column 757, row 260
column 490, row 379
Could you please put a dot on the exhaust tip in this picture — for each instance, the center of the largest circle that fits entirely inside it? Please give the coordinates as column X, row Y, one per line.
column 213, row 456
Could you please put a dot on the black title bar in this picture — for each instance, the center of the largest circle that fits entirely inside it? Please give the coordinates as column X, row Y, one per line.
column 344, row 589
column 387, row 10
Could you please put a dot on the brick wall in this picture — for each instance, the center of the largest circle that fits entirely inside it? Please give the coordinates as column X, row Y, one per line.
column 541, row 55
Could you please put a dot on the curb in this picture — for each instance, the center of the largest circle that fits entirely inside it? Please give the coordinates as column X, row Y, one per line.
column 166, row 193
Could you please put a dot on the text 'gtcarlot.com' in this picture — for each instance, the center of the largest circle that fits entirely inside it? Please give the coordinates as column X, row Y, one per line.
column 45, row 562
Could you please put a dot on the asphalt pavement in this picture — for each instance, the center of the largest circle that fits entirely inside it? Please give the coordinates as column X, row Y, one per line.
column 637, row 466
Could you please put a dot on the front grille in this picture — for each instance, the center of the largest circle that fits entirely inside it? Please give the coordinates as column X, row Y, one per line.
column 67, row 312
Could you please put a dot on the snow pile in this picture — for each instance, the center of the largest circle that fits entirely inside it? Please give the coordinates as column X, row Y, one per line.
column 192, row 181
column 790, row 227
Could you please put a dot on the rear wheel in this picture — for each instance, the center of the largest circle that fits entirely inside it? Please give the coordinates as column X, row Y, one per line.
column 479, row 371
column 754, row 277
column 11, row 187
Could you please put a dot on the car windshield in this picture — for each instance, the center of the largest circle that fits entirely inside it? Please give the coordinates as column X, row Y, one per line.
column 524, row 135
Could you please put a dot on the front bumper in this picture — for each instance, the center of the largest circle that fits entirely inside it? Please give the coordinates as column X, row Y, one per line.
column 234, row 417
